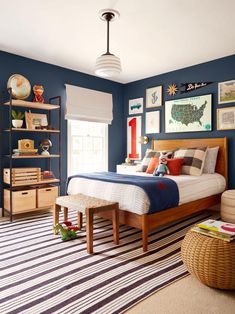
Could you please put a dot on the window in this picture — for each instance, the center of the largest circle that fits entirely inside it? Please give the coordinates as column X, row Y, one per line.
column 87, row 147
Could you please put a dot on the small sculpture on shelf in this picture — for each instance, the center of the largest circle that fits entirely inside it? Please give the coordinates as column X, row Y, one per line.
column 45, row 144
column 38, row 91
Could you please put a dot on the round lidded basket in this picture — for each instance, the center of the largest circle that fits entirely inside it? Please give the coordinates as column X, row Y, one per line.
column 211, row 260
column 228, row 206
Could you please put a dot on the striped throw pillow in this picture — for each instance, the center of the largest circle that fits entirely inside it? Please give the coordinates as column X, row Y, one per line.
column 194, row 159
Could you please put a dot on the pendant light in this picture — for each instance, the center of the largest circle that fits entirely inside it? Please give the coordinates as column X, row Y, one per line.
column 108, row 65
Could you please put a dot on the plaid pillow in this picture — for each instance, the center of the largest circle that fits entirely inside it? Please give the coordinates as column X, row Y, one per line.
column 150, row 153
column 194, row 159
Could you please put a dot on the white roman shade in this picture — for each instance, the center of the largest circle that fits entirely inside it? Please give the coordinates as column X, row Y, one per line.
column 88, row 105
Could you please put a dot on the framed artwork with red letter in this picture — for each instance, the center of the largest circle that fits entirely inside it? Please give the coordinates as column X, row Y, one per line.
column 133, row 134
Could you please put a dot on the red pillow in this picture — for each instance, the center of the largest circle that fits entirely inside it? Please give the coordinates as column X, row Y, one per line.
column 154, row 161
column 174, row 165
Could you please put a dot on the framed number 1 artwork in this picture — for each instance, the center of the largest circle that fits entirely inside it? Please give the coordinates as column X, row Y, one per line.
column 133, row 134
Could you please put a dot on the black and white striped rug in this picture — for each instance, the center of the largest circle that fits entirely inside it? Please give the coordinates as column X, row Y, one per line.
column 41, row 274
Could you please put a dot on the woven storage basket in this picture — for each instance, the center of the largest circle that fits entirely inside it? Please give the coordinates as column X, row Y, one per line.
column 211, row 260
column 228, row 206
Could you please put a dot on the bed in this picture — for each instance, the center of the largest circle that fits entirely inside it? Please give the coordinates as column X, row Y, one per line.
column 136, row 208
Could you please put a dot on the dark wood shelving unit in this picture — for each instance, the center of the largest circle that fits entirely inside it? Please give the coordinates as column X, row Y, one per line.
column 11, row 157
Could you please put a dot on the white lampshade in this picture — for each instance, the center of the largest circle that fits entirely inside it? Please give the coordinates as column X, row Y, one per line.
column 108, row 65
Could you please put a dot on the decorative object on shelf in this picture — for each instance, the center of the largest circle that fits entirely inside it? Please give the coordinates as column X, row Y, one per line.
column 143, row 139
column 128, row 161
column 25, row 144
column 21, row 176
column 35, row 120
column 226, row 118
column 226, row 92
column 25, row 148
column 152, row 122
column 38, row 91
column 172, row 89
column 188, row 114
column 45, row 144
column 136, row 106
column 18, row 117
column 47, row 174
column 154, row 97
column 108, row 65
column 133, row 134
column 19, row 85
column 189, row 87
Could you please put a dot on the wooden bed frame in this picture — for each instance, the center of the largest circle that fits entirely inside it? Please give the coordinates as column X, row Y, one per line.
column 148, row 222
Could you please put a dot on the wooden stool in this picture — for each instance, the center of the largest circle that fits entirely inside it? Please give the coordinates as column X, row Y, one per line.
column 88, row 205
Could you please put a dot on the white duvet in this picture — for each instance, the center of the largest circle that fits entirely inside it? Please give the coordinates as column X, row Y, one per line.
column 134, row 199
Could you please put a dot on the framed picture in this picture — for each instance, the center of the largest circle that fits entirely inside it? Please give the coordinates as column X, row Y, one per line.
column 34, row 120
column 133, row 134
column 226, row 118
column 154, row 97
column 226, row 92
column 188, row 114
column 136, row 106
column 152, row 122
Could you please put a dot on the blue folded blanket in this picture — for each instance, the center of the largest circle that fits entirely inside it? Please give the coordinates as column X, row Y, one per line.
column 162, row 192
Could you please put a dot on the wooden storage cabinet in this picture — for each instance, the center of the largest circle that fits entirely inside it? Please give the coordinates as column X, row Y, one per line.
column 46, row 196
column 22, row 200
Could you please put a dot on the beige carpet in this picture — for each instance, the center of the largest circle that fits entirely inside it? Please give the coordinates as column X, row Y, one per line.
column 187, row 296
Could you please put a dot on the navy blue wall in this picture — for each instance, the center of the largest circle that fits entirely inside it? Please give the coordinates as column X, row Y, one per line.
column 53, row 79
column 216, row 71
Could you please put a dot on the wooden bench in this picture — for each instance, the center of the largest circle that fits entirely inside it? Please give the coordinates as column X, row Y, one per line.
column 89, row 206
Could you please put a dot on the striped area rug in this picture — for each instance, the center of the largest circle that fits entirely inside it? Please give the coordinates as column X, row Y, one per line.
column 41, row 274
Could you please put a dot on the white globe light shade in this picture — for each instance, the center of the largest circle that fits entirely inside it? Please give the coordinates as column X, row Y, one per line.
column 108, row 65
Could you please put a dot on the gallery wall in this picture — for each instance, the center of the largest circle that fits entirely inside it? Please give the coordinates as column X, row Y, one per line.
column 214, row 71
column 53, row 79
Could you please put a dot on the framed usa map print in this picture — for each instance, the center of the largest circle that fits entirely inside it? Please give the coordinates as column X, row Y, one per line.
column 188, row 114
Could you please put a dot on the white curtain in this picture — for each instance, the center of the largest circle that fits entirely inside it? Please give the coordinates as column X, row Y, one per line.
column 88, row 105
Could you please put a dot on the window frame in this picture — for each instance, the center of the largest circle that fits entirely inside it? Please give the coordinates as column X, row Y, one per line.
column 69, row 146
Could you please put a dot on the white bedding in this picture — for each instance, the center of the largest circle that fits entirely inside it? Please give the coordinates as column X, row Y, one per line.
column 134, row 199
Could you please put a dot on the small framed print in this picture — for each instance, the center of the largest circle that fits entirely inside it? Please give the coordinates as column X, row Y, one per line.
column 152, row 122
column 226, row 92
column 226, row 118
column 135, row 106
column 154, row 97
column 34, row 120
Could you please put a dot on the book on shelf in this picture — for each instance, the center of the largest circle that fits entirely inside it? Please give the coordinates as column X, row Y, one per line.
column 25, row 152
column 216, row 229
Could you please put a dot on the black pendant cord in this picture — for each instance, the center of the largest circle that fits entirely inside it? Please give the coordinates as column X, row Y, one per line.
column 108, row 17
column 107, row 52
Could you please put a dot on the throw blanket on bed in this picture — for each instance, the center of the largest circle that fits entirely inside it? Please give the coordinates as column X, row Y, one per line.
column 162, row 192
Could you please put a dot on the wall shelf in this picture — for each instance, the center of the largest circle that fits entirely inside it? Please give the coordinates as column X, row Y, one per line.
column 30, row 104
column 45, row 181
column 33, row 156
column 31, row 130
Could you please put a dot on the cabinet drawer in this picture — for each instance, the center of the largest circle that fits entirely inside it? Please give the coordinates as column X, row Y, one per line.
column 22, row 200
column 46, row 196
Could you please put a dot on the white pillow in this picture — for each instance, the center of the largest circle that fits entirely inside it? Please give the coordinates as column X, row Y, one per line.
column 210, row 161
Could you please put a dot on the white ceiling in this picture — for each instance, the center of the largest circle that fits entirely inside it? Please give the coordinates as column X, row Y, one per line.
column 151, row 37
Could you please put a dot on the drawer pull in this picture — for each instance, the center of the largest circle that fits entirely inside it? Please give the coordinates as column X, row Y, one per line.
column 24, row 193
column 48, row 190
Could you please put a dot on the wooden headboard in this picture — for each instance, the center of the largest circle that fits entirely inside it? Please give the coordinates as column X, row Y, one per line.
column 222, row 160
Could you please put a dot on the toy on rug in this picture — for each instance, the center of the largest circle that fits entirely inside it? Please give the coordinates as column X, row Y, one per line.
column 162, row 168
column 67, row 232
